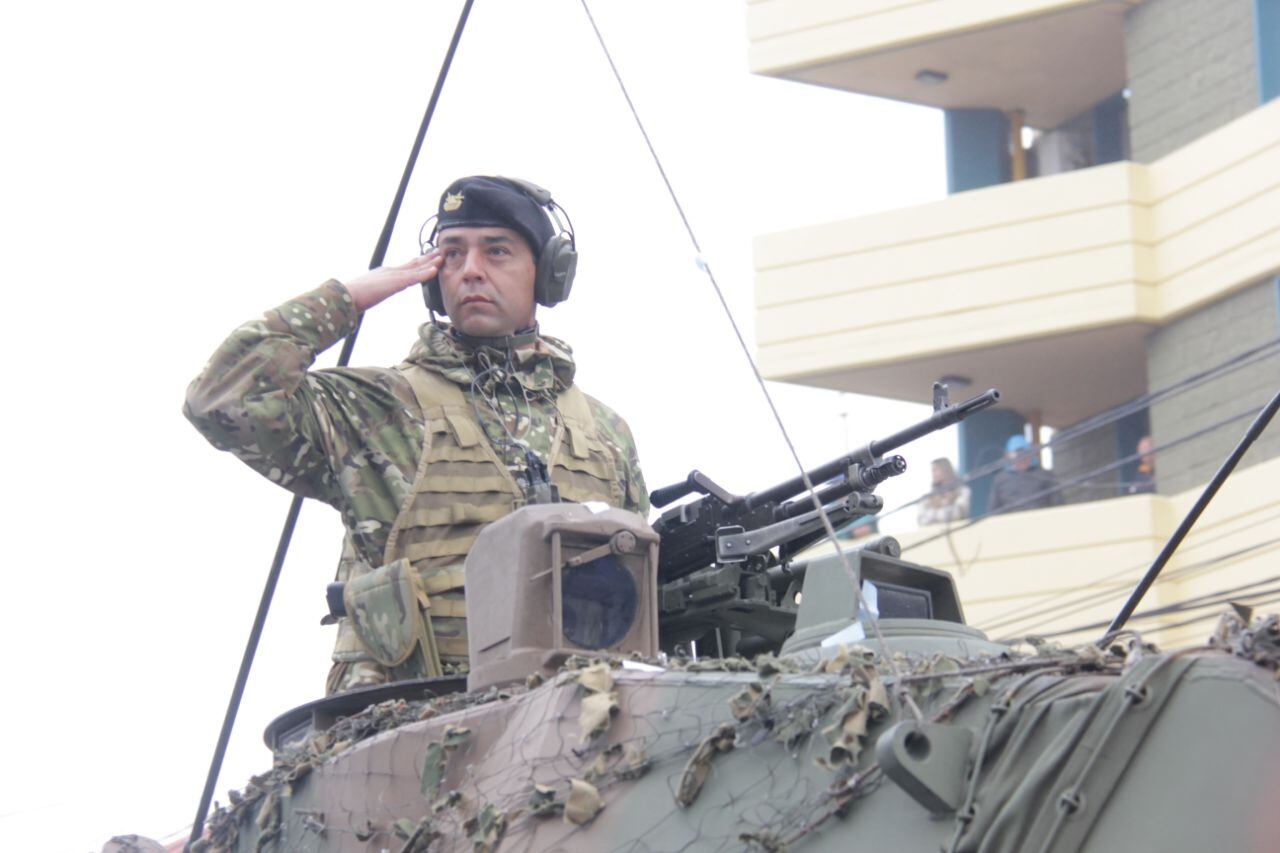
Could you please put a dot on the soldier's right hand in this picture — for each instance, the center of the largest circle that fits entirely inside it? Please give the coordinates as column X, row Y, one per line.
column 369, row 289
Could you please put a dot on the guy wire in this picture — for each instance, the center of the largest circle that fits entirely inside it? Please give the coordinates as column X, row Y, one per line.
column 904, row 696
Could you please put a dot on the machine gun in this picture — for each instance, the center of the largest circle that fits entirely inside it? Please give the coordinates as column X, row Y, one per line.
column 718, row 567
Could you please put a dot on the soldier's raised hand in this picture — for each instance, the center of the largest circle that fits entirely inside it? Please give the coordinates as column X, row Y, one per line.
column 369, row 289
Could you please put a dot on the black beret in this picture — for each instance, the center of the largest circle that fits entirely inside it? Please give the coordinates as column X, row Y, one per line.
column 487, row 202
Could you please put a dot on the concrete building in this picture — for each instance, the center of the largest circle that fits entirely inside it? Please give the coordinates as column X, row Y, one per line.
column 1108, row 257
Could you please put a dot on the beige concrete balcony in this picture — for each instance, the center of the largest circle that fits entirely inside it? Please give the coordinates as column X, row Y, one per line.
column 1050, row 58
column 1043, row 288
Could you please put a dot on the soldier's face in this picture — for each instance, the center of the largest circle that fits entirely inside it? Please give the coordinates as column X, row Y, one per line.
column 486, row 279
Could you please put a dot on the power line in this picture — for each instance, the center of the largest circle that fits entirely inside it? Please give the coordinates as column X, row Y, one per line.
column 1052, row 603
column 1058, row 487
column 1203, row 618
column 1269, row 349
column 1212, row 599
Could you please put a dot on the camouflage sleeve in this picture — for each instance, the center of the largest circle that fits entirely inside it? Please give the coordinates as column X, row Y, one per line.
column 618, row 436
column 256, row 399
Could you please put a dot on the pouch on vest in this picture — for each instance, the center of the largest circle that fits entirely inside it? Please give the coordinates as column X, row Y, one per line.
column 390, row 613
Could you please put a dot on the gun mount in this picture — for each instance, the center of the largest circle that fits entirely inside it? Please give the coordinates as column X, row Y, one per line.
column 724, row 559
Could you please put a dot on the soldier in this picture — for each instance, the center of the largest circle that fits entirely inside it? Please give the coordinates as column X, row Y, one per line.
column 482, row 417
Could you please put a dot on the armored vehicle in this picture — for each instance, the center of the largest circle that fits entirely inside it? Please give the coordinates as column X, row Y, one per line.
column 699, row 686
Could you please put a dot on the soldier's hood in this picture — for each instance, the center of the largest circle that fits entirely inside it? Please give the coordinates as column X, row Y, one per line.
column 544, row 364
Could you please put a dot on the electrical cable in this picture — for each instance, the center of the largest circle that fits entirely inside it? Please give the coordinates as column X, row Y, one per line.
column 1269, row 349
column 295, row 506
column 1052, row 602
column 1204, row 617
column 1066, row 484
column 1212, row 563
column 1200, row 602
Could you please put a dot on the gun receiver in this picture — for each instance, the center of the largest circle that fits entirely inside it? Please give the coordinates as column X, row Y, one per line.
column 722, row 527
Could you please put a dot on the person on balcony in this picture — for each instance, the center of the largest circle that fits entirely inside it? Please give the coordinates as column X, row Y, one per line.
column 1144, row 479
column 949, row 498
column 1023, row 484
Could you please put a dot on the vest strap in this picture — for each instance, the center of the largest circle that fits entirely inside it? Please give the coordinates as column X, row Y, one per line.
column 444, row 580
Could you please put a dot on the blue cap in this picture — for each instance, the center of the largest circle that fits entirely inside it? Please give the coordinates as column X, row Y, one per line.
column 1016, row 443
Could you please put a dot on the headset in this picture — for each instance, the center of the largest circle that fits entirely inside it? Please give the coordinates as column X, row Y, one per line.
column 557, row 261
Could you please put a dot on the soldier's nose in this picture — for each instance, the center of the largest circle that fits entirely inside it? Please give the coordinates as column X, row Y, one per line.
column 471, row 264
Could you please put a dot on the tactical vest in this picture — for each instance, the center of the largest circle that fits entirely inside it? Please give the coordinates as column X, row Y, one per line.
column 460, row 486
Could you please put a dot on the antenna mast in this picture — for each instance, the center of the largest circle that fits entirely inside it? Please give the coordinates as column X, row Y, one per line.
column 291, row 519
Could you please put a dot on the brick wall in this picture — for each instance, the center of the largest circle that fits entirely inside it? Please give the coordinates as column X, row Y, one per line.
column 1191, row 68
column 1208, row 336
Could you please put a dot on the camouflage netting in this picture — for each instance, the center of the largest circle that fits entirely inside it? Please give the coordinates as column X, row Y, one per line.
column 707, row 755
column 601, row 728
column 1258, row 642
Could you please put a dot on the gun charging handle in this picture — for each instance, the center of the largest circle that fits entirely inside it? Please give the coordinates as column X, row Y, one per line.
column 695, row 482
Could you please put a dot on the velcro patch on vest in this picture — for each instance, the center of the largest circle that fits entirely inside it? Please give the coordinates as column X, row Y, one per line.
column 444, row 580
column 578, row 444
column 464, row 430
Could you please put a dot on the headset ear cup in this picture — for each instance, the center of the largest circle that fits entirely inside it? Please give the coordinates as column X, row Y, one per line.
column 432, row 296
column 556, row 267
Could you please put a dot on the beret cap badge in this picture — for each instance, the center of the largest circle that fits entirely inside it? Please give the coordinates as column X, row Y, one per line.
column 452, row 201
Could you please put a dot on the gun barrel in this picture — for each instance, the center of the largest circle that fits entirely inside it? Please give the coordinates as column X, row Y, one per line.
column 837, row 467
column 944, row 418
column 799, row 506
column 795, row 485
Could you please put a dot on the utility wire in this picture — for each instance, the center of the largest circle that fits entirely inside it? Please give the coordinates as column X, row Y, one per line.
column 295, row 507
column 1052, row 603
column 1269, row 349
column 1202, row 567
column 1066, row 484
column 905, row 697
column 1204, row 617
column 1199, row 602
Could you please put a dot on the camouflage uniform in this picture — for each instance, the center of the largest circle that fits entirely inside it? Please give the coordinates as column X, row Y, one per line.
column 353, row 437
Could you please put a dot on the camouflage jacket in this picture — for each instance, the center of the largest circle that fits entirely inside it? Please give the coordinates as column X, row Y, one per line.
column 352, row 437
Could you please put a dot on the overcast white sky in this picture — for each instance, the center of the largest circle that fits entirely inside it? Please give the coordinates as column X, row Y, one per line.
column 172, row 169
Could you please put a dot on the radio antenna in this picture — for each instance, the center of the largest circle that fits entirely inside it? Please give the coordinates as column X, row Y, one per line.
column 1251, row 435
column 291, row 519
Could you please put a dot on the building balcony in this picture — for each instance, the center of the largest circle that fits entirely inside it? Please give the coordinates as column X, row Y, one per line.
column 1051, row 570
column 1051, row 59
column 1044, row 288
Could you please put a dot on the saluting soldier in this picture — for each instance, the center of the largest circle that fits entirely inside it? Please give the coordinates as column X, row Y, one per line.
column 482, row 417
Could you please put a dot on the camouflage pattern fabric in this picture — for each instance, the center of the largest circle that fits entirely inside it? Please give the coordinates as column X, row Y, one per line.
column 353, row 437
